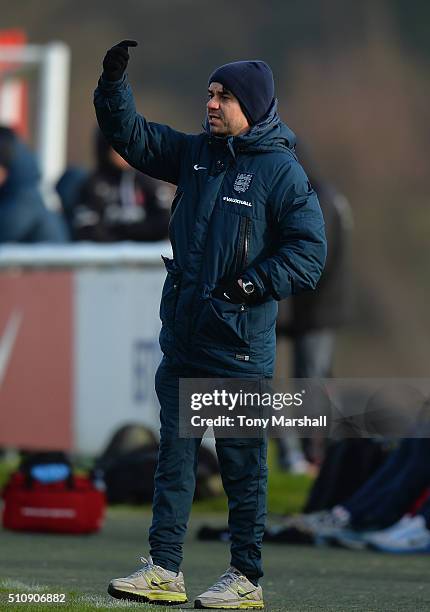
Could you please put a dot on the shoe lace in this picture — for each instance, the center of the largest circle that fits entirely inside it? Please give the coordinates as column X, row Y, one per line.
column 225, row 580
column 147, row 566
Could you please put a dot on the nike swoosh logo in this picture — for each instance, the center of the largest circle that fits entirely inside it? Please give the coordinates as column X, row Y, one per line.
column 245, row 594
column 227, row 296
column 197, row 167
column 156, row 584
column 7, row 342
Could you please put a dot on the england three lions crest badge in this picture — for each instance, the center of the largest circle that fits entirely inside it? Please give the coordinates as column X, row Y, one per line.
column 242, row 182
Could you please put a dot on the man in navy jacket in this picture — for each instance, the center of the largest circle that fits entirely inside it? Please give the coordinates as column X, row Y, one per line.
column 246, row 231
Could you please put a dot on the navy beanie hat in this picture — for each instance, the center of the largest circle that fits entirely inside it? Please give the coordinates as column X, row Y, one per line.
column 252, row 84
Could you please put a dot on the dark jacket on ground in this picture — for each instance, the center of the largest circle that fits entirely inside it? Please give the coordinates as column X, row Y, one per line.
column 23, row 215
column 243, row 207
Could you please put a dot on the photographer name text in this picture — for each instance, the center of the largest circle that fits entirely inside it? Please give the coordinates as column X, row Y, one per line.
column 246, row 421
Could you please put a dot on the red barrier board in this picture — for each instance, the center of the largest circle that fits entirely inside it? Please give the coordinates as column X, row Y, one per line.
column 36, row 360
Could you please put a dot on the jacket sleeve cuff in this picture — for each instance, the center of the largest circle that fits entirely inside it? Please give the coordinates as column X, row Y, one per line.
column 111, row 85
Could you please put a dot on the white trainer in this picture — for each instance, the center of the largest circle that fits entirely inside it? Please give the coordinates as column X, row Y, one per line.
column 151, row 583
column 233, row 591
column 409, row 535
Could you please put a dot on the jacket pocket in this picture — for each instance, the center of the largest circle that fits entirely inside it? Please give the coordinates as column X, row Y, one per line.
column 169, row 296
column 243, row 245
column 221, row 323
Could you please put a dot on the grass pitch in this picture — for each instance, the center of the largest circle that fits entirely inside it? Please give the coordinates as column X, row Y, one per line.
column 297, row 579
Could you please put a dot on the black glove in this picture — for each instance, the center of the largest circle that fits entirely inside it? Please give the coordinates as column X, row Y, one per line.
column 116, row 60
column 234, row 293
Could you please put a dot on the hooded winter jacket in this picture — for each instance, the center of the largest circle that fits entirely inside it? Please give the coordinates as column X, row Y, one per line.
column 243, row 208
column 23, row 215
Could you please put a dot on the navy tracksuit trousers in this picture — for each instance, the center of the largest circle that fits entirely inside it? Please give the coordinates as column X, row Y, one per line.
column 389, row 493
column 243, row 469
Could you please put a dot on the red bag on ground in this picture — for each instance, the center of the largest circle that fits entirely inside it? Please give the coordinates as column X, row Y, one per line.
column 72, row 505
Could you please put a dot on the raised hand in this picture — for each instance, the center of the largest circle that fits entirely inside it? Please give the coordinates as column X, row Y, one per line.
column 116, row 60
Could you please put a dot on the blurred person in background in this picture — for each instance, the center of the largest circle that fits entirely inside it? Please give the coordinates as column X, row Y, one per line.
column 379, row 514
column 23, row 214
column 312, row 319
column 116, row 202
column 68, row 188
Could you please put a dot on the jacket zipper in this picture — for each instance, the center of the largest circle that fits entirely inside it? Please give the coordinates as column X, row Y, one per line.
column 243, row 244
column 175, row 203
